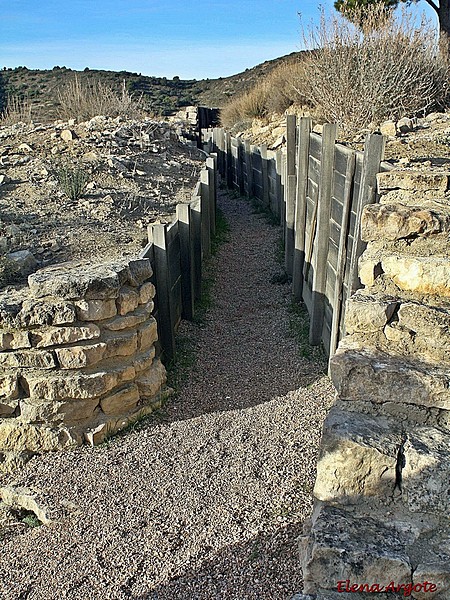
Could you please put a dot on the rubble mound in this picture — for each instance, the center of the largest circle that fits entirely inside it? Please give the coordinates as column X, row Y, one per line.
column 130, row 173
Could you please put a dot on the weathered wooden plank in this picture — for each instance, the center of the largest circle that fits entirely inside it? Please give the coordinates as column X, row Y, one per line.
column 307, row 296
column 256, row 159
column 265, row 185
column 257, row 175
column 323, row 225
column 341, row 259
column 279, row 186
column 315, row 146
column 373, row 155
column 229, row 160
column 195, row 212
column 336, row 210
column 332, row 253
column 304, row 130
column 211, row 163
column 341, row 157
column 249, row 167
column 157, row 237
column 206, row 216
column 187, row 260
column 291, row 147
column 314, row 169
column 289, row 236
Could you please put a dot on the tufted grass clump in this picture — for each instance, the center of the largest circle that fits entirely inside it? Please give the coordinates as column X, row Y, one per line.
column 72, row 179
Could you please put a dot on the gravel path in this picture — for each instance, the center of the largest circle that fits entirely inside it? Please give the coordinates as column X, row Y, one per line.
column 207, row 502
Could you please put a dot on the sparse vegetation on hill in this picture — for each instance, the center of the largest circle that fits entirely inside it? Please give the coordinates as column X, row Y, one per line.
column 160, row 95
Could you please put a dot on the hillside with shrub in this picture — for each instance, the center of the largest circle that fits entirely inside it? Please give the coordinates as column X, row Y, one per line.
column 355, row 77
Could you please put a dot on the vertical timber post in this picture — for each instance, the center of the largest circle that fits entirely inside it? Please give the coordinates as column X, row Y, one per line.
column 322, row 234
column 265, row 176
column 195, row 210
column 157, row 235
column 373, row 155
column 211, row 165
column 291, row 121
column 185, row 231
column 206, row 215
column 304, row 130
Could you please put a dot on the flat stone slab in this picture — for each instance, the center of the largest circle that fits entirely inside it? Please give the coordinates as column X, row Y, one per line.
column 358, row 457
column 344, row 546
column 82, row 280
column 360, row 374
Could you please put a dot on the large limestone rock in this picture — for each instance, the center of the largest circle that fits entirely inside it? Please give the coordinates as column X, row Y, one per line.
column 121, row 402
column 78, row 280
column 77, row 385
column 57, row 336
column 358, row 457
column 367, row 314
column 393, row 222
column 361, row 375
column 417, row 181
column 27, row 499
column 151, row 381
column 426, row 472
column 341, row 546
column 34, row 438
column 425, row 275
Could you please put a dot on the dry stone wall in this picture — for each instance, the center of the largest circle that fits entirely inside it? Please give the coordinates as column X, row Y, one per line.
column 382, row 494
column 77, row 356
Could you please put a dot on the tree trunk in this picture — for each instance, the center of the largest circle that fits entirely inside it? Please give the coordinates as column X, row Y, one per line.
column 444, row 28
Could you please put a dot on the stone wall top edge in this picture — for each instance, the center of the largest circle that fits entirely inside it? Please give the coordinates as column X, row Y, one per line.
column 71, row 281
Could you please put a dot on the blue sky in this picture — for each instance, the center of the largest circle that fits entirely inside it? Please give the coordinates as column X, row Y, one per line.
column 193, row 39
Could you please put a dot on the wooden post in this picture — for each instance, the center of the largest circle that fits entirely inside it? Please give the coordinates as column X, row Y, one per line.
column 206, row 216
column 229, row 159
column 157, row 236
column 304, row 130
column 214, row 139
column 249, row 166
column 195, row 218
column 187, row 260
column 289, row 225
column 373, row 155
column 342, row 253
column 283, row 195
column 240, row 166
column 211, row 163
column 322, row 234
column 278, row 184
column 265, row 176
column 291, row 121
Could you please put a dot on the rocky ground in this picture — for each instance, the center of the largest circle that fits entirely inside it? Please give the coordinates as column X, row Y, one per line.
column 418, row 142
column 135, row 172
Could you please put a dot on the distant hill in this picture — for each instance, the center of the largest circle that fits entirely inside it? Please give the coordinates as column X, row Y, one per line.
column 161, row 95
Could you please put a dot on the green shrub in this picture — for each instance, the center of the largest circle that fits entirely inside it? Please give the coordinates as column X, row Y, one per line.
column 72, row 179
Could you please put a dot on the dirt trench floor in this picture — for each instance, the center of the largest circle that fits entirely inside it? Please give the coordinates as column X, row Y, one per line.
column 206, row 500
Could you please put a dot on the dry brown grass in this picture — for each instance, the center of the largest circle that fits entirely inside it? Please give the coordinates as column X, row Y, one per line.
column 354, row 77
column 84, row 99
column 275, row 94
column 247, row 106
column 18, row 110
column 389, row 70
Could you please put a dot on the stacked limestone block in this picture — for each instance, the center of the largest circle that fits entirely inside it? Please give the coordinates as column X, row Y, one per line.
column 77, row 356
column 383, row 483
